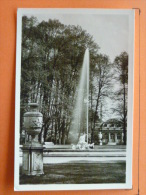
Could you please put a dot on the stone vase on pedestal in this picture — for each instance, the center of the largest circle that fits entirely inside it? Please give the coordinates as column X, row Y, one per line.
column 32, row 149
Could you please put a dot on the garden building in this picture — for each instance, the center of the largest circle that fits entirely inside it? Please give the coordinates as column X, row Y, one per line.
column 112, row 132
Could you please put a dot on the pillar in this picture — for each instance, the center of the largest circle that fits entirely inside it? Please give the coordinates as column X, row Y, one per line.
column 116, row 137
column 109, row 137
column 122, row 137
column 100, row 138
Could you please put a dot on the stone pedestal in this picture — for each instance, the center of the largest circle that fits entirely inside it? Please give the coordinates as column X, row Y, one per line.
column 32, row 160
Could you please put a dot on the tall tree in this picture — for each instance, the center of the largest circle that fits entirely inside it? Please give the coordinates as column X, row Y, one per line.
column 121, row 67
column 101, row 76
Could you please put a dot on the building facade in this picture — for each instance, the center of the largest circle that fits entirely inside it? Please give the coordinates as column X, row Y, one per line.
column 112, row 132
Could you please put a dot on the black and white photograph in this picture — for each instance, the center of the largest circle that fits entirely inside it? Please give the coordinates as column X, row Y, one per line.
column 74, row 99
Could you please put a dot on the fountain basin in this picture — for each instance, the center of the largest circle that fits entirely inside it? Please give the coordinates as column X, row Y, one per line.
column 64, row 154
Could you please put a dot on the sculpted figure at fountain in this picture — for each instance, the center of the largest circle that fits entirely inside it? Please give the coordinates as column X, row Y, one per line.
column 82, row 144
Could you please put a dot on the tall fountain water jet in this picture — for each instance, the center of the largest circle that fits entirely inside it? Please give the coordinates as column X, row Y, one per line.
column 80, row 112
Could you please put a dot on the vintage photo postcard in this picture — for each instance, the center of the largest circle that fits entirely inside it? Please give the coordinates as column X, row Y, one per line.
column 74, row 99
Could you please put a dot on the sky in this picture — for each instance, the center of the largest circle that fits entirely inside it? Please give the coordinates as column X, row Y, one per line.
column 110, row 32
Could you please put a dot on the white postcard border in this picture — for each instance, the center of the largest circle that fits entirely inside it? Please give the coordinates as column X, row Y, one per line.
column 128, row 184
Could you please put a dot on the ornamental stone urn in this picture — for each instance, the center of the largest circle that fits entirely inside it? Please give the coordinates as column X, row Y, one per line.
column 32, row 149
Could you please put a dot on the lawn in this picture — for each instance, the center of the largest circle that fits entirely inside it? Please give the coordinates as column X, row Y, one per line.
column 78, row 173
